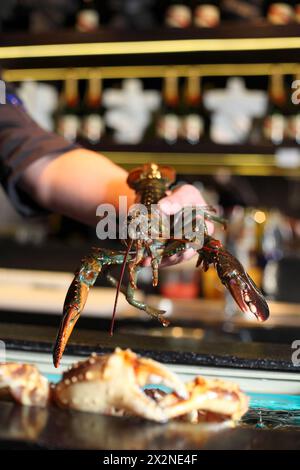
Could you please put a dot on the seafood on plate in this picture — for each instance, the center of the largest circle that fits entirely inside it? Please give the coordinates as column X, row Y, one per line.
column 118, row 384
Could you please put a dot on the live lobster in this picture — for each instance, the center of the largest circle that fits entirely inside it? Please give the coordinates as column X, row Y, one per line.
column 151, row 183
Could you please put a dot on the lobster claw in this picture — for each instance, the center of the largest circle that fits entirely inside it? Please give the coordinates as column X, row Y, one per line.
column 243, row 289
column 247, row 295
column 73, row 306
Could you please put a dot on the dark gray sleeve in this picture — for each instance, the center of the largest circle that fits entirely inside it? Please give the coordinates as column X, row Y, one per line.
column 22, row 142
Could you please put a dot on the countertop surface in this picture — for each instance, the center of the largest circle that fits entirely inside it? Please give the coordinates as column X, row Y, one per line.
column 170, row 350
column 53, row 428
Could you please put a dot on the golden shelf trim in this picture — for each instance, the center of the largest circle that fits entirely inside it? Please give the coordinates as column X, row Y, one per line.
column 207, row 164
column 148, row 71
column 148, row 47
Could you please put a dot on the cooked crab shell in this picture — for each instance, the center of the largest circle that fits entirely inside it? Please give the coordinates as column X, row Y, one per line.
column 112, row 384
column 24, row 383
column 223, row 399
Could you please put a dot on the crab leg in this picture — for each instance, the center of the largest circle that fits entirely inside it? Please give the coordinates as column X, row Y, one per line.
column 224, row 398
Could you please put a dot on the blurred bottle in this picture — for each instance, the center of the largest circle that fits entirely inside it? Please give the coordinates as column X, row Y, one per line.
column 275, row 121
column 206, row 14
column 178, row 14
column 88, row 18
column 168, row 126
column 277, row 234
column 93, row 111
column 180, row 281
column 132, row 14
column 245, row 10
column 293, row 121
column 192, row 121
column 297, row 12
column 68, row 115
column 212, row 288
column 293, row 127
column 280, row 13
column 242, row 242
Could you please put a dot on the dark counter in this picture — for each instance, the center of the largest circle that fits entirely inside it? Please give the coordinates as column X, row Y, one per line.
column 260, row 356
column 53, row 428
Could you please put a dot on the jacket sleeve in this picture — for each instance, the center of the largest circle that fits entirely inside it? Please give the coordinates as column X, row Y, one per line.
column 22, row 142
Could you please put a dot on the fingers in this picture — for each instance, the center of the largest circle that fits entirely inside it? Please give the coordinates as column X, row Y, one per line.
column 185, row 195
column 178, row 258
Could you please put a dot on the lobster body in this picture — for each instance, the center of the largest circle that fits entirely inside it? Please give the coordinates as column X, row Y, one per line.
column 151, row 183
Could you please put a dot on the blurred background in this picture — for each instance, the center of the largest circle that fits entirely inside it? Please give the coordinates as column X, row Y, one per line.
column 210, row 87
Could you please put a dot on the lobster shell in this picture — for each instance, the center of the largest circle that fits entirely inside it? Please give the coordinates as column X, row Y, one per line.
column 151, row 171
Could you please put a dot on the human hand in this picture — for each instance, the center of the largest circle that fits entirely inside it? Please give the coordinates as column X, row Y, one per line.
column 185, row 195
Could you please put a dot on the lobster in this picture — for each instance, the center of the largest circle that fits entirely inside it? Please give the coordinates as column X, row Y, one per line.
column 151, row 183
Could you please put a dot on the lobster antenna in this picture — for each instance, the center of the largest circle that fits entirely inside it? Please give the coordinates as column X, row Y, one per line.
column 111, row 332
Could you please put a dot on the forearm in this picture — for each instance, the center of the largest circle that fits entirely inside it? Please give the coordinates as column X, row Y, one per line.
column 75, row 183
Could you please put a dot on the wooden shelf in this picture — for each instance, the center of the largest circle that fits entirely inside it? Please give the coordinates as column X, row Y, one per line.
column 237, row 48
column 148, row 71
column 232, row 40
column 201, row 159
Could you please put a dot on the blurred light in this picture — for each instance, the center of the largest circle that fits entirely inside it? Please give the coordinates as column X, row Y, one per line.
column 259, row 217
column 177, row 332
column 198, row 333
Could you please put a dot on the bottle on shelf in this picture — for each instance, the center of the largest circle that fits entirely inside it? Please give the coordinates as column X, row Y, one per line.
column 297, row 12
column 280, row 13
column 88, row 18
column 206, row 14
column 178, row 14
column 68, row 116
column 168, row 126
column 275, row 121
column 92, row 111
column 277, row 237
column 192, row 121
column 293, row 121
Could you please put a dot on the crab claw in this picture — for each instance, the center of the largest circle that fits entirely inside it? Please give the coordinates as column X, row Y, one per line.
column 113, row 384
column 24, row 383
column 151, row 372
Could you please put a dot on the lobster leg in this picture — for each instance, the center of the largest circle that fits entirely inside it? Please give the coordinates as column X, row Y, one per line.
column 77, row 295
column 154, row 312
